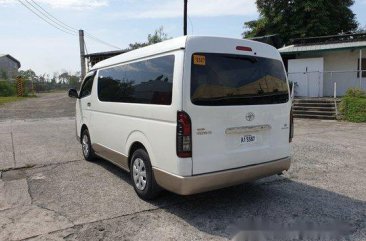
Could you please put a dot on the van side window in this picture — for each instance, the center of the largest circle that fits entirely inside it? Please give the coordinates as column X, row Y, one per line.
column 145, row 82
column 87, row 86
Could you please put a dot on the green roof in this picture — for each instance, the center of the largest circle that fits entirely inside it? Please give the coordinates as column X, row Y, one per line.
column 293, row 49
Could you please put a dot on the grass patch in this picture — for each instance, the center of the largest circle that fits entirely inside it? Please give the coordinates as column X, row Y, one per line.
column 353, row 106
column 8, row 99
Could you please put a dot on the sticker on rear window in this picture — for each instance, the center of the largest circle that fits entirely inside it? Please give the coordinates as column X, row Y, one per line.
column 199, row 59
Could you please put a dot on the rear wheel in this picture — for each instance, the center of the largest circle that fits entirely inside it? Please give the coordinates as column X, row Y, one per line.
column 87, row 149
column 142, row 175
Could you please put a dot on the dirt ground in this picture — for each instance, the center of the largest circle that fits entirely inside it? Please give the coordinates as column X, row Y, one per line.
column 48, row 192
column 46, row 105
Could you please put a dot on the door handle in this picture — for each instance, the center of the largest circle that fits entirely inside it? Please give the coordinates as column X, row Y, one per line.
column 89, row 104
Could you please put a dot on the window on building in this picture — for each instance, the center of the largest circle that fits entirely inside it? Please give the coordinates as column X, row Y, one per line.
column 145, row 82
column 363, row 68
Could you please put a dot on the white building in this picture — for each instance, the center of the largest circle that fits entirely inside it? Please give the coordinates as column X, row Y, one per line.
column 321, row 65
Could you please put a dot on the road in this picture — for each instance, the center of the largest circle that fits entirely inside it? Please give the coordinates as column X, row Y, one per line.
column 47, row 105
column 48, row 192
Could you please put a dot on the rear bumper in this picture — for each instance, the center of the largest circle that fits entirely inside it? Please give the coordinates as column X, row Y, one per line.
column 206, row 182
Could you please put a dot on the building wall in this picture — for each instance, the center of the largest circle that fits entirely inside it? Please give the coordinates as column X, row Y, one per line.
column 9, row 66
column 340, row 67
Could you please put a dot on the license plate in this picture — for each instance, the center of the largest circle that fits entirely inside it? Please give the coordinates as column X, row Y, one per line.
column 248, row 139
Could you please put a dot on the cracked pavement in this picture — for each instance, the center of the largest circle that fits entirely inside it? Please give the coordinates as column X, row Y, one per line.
column 48, row 192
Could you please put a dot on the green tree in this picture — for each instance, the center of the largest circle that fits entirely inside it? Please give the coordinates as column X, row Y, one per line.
column 29, row 75
column 302, row 18
column 137, row 45
column 64, row 77
column 54, row 78
column 74, row 81
column 42, row 78
column 158, row 36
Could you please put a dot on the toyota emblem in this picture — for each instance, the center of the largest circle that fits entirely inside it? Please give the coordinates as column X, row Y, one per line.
column 249, row 116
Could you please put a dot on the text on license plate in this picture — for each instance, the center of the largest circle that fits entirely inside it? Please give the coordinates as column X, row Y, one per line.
column 248, row 139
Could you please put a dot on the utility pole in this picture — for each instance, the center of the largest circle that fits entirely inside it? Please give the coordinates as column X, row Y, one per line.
column 185, row 18
column 82, row 53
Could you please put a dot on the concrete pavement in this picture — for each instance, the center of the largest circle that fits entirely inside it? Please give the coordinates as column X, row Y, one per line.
column 48, row 192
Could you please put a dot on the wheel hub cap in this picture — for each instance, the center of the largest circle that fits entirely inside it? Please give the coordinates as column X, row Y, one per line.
column 85, row 145
column 139, row 174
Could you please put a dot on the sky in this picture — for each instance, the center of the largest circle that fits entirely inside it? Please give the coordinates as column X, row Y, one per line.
column 46, row 49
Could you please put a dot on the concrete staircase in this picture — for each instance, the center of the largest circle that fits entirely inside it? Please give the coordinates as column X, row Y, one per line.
column 315, row 108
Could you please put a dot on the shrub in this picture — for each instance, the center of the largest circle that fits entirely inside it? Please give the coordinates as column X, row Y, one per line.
column 355, row 92
column 7, row 88
column 354, row 108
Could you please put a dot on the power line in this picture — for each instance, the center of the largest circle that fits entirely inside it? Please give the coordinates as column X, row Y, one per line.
column 88, row 35
column 190, row 21
column 57, row 23
column 53, row 17
column 64, row 25
column 45, row 19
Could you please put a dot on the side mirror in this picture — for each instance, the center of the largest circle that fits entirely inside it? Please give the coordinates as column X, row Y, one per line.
column 73, row 93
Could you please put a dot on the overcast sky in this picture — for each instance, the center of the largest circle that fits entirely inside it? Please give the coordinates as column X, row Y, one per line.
column 46, row 49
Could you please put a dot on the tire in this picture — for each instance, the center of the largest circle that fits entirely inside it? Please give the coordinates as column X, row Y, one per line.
column 142, row 176
column 86, row 147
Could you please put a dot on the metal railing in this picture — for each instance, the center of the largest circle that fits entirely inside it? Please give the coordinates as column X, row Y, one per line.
column 327, row 83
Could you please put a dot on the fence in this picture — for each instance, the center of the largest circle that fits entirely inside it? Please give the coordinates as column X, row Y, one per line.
column 9, row 87
column 327, row 83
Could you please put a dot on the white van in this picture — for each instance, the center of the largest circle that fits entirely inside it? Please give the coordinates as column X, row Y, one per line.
column 188, row 115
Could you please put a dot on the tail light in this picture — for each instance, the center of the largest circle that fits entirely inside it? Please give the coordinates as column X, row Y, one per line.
column 291, row 135
column 184, row 135
column 244, row 48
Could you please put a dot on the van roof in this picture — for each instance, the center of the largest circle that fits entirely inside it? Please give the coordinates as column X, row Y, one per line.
column 163, row 47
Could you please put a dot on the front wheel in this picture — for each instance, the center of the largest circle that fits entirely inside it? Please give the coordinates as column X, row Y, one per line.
column 87, row 149
column 142, row 176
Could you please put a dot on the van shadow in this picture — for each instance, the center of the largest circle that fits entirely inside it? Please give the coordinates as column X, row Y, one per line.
column 274, row 199
column 115, row 170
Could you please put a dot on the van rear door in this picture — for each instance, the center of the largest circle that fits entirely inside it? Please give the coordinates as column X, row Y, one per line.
column 239, row 108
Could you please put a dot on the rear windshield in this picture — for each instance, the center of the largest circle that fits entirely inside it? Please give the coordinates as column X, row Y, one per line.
column 224, row 79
